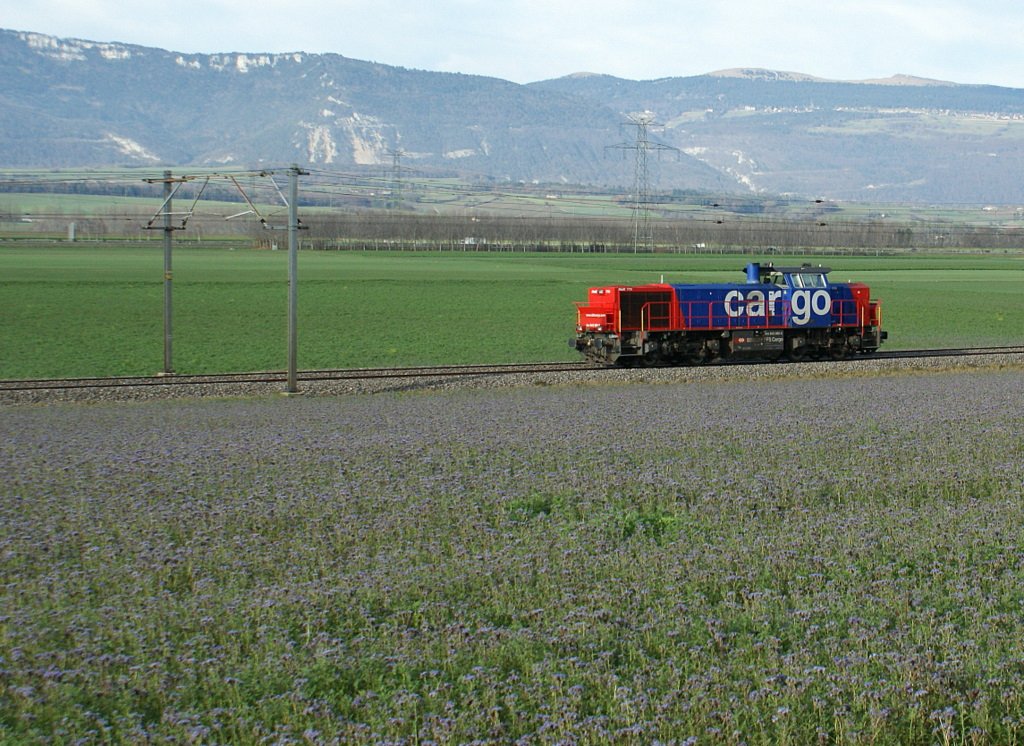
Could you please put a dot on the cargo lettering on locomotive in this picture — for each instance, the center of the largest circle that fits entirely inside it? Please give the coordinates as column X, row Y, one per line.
column 752, row 304
column 791, row 312
column 805, row 303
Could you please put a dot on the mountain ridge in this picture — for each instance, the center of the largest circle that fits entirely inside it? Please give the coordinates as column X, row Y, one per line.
column 755, row 73
column 75, row 103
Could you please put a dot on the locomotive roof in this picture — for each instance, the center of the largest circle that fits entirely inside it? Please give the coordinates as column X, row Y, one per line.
column 795, row 270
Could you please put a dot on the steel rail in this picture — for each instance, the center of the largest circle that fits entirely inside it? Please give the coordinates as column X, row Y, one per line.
column 341, row 374
column 440, row 371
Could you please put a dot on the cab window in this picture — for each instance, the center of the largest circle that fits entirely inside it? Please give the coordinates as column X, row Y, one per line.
column 809, row 280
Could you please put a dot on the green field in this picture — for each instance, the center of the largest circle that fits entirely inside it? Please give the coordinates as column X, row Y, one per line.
column 98, row 309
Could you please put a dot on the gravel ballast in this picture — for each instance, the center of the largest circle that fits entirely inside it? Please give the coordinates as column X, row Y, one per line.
column 584, row 377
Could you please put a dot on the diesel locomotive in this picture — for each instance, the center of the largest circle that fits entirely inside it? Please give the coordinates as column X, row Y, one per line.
column 791, row 313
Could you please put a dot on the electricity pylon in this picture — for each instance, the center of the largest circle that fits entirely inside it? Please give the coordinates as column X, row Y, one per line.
column 396, row 178
column 642, row 233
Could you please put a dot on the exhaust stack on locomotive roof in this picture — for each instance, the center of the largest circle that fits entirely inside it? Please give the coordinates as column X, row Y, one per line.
column 791, row 312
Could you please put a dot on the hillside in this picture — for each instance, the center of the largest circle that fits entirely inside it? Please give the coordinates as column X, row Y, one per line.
column 72, row 103
column 902, row 139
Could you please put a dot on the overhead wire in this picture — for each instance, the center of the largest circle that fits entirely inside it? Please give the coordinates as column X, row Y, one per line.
column 523, row 202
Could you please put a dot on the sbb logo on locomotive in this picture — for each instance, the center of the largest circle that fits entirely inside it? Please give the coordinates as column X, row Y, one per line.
column 804, row 304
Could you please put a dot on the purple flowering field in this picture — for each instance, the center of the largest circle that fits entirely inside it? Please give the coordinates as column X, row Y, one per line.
column 788, row 561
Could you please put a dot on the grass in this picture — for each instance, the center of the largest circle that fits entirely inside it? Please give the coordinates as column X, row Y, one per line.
column 98, row 310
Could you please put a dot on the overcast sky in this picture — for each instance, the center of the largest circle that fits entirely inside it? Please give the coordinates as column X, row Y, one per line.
column 964, row 41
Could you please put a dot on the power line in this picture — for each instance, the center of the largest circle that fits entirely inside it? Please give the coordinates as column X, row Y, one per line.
column 775, row 214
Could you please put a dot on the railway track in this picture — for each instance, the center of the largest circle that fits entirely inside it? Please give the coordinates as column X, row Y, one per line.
column 269, row 378
column 951, row 352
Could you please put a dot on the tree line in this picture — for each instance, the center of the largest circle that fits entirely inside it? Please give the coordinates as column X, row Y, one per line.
column 375, row 230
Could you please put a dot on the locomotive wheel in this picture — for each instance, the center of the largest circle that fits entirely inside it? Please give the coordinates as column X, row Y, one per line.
column 797, row 354
column 695, row 354
column 838, row 352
